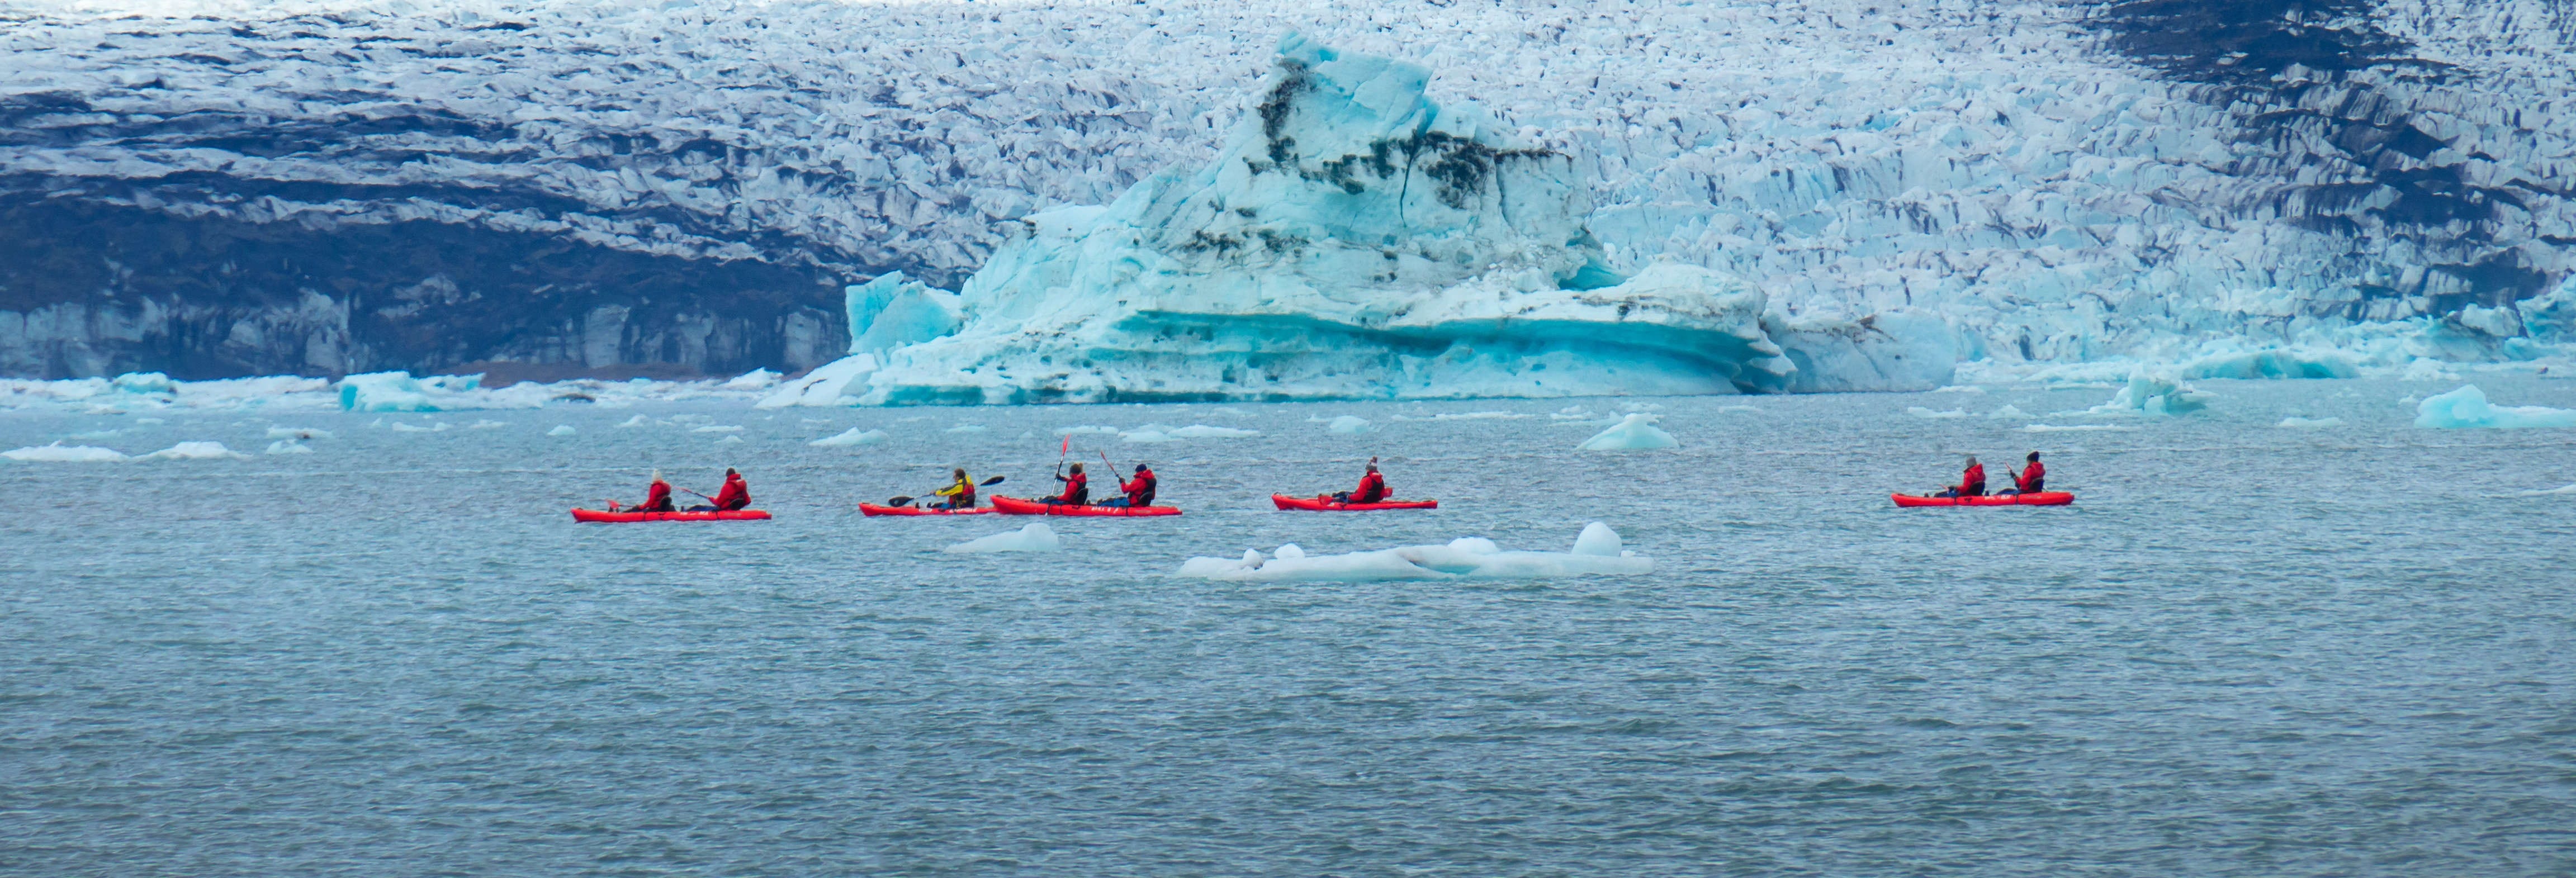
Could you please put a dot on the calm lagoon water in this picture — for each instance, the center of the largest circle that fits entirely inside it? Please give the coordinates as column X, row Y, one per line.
column 2246, row 650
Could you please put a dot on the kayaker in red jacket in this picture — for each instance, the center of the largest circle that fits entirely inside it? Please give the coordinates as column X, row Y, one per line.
column 2032, row 479
column 657, row 497
column 1971, row 483
column 1372, row 487
column 735, row 494
column 1077, row 489
column 1139, row 490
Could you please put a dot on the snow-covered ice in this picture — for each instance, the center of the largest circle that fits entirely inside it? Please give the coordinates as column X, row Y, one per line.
column 1633, row 433
column 2467, row 408
column 1036, row 537
column 195, row 451
column 562, row 430
column 1596, row 551
column 60, row 453
column 850, row 437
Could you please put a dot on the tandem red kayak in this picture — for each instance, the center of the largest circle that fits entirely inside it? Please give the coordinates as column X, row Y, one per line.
column 2040, row 498
column 596, row 516
column 1017, row 506
column 872, row 510
column 1328, row 504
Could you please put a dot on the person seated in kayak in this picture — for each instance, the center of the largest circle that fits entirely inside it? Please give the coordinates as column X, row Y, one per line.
column 1372, row 487
column 960, row 493
column 2031, row 480
column 1139, row 490
column 657, row 497
column 1077, row 489
column 1971, row 483
column 734, row 495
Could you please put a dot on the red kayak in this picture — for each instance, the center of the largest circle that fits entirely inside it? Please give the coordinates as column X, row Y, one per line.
column 2042, row 498
column 1016, row 506
column 872, row 510
column 596, row 516
column 1327, row 504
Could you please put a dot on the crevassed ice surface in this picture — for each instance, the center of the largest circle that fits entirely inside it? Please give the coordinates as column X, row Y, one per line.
column 2005, row 167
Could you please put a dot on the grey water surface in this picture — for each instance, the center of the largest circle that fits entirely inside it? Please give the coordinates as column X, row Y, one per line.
column 2245, row 650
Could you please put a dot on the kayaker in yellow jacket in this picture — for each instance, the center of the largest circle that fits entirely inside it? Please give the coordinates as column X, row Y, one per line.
column 961, row 493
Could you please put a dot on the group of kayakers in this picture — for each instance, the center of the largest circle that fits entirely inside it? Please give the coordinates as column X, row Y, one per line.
column 657, row 496
column 2031, row 479
column 1137, row 490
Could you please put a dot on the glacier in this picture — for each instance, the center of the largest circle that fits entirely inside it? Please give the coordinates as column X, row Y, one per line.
column 436, row 182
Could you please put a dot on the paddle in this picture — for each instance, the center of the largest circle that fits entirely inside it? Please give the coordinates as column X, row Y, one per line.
column 903, row 501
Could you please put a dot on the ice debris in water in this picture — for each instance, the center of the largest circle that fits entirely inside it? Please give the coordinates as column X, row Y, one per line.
column 719, row 428
column 1632, row 433
column 1349, row 425
column 195, row 451
column 1596, row 552
column 297, row 433
column 1036, row 537
column 1148, row 433
column 2298, row 423
column 849, row 437
column 562, row 430
column 1203, row 431
column 440, row 427
column 968, row 428
column 2467, row 408
column 486, row 425
column 729, row 439
column 1921, row 412
column 2547, row 492
column 756, row 379
column 2009, row 411
column 636, row 421
column 2150, row 393
column 289, row 446
column 60, row 453
column 1086, row 430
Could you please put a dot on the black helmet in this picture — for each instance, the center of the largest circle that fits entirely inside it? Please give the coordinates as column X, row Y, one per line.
column 1140, row 467
column 2033, row 456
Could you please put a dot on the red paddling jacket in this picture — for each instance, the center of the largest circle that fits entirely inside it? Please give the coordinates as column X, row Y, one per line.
column 734, row 495
column 1372, row 489
column 1077, row 489
column 1973, row 483
column 2032, row 479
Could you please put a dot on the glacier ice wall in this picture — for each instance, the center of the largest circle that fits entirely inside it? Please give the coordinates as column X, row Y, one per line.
column 219, row 187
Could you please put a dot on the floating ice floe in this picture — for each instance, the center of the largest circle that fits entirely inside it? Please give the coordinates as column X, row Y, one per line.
column 968, row 428
column 60, row 453
column 729, row 439
column 718, row 428
column 1959, row 388
column 2009, row 412
column 487, row 425
column 1596, row 552
column 756, row 379
column 1036, row 537
column 2076, row 428
column 1087, row 430
column 1349, row 425
column 2549, row 492
column 439, row 427
column 289, row 446
column 1921, row 412
column 636, row 421
column 2298, row 423
column 195, row 451
column 297, row 433
column 1148, row 433
column 1633, row 433
column 2467, row 408
column 562, row 430
column 2152, row 394
column 849, row 437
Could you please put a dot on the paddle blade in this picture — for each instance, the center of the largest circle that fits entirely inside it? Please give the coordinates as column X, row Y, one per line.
column 993, row 481
column 898, row 501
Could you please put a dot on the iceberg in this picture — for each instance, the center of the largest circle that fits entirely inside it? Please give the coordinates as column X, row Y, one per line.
column 1633, row 433
column 2467, row 408
column 2149, row 393
column 562, row 430
column 756, row 379
column 1353, row 239
column 384, row 392
column 1921, row 412
column 1596, row 552
column 850, row 437
column 2295, row 422
column 289, row 446
column 1203, row 431
column 1036, row 537
column 1349, row 425
column 195, row 451
column 297, row 433
column 60, row 453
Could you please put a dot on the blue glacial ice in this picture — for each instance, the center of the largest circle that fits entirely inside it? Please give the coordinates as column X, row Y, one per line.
column 1354, row 239
column 1636, row 432
column 2467, row 408
column 2154, row 394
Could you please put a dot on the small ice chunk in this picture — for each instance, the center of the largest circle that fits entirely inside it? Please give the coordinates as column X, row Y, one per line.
column 756, row 379
column 486, row 425
column 1634, row 432
column 968, row 428
column 1203, row 431
column 1597, row 539
column 2467, row 408
column 850, row 437
column 562, row 430
column 289, row 446
column 729, row 438
column 2009, row 411
column 1147, row 436
column 2546, row 492
column 1959, row 388
column 1290, row 551
column 297, row 433
column 1036, row 537
column 1350, row 425
column 1086, row 430
column 60, row 453
column 2075, row 428
column 636, row 421
column 195, row 451
column 2298, row 423
column 1921, row 412
column 2149, row 393
column 440, row 427
column 384, row 392
column 719, row 428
